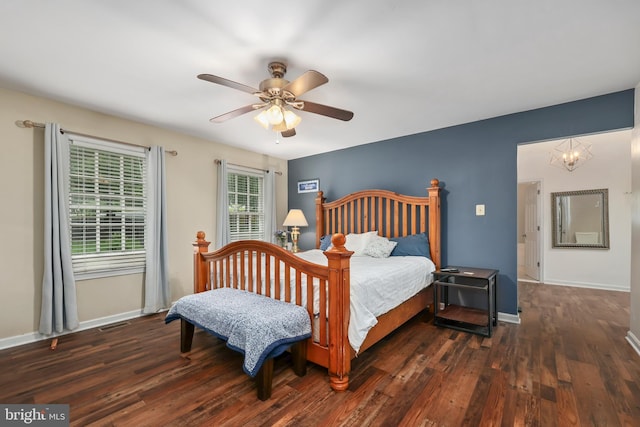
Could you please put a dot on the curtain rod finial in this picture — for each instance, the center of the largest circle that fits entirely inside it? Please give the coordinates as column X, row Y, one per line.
column 28, row 124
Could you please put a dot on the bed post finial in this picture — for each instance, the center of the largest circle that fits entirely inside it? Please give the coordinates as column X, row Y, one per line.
column 199, row 266
column 201, row 244
column 338, row 240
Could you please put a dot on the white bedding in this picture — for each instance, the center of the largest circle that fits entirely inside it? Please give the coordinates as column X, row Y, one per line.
column 372, row 292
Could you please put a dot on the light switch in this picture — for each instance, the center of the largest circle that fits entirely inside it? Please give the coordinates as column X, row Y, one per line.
column 479, row 210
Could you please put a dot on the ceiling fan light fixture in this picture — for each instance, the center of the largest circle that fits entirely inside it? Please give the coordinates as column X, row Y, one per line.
column 262, row 119
column 269, row 118
column 280, row 127
column 291, row 119
column 275, row 115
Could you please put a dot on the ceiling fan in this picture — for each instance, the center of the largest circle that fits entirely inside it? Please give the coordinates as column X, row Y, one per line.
column 276, row 94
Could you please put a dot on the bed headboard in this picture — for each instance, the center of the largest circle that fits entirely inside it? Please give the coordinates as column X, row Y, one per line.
column 391, row 214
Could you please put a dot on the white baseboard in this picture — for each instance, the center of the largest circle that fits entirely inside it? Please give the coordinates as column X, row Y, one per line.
column 509, row 318
column 600, row 286
column 94, row 323
column 634, row 341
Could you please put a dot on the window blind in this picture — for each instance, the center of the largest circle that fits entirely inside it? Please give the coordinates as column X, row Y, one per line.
column 246, row 205
column 107, row 206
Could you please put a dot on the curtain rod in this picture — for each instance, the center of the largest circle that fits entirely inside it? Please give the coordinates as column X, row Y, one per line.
column 218, row 161
column 32, row 124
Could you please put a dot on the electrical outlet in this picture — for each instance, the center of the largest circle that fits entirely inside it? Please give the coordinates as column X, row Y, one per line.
column 479, row 210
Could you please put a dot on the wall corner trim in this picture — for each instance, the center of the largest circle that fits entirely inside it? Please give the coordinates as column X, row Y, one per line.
column 634, row 341
column 509, row 318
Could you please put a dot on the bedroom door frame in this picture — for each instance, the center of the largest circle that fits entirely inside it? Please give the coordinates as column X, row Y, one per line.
column 532, row 232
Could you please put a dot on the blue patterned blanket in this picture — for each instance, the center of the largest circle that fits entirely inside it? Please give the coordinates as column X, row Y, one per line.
column 257, row 326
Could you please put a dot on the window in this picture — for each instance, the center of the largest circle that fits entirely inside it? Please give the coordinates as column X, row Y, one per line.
column 246, row 205
column 107, row 207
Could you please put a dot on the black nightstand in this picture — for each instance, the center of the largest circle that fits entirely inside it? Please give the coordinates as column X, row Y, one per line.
column 475, row 320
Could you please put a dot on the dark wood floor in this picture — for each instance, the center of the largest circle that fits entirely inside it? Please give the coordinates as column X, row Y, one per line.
column 567, row 363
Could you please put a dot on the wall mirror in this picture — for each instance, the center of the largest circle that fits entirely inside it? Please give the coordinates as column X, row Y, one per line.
column 580, row 219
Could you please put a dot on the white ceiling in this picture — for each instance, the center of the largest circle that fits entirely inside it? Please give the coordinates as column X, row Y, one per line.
column 402, row 67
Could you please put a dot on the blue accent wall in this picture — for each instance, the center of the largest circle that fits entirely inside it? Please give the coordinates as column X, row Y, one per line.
column 476, row 163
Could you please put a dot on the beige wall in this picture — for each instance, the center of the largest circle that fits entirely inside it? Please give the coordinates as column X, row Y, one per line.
column 191, row 206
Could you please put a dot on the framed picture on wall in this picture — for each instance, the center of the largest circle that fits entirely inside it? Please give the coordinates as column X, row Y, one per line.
column 308, row 186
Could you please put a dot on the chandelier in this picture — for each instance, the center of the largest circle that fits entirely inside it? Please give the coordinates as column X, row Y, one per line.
column 570, row 154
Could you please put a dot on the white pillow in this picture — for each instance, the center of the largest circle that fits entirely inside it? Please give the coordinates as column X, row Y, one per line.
column 379, row 247
column 359, row 242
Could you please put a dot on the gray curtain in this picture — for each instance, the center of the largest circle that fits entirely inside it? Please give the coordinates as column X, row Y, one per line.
column 157, row 294
column 59, row 309
column 222, row 207
column 270, row 225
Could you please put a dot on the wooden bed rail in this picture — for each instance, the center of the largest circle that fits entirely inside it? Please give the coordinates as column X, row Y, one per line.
column 274, row 274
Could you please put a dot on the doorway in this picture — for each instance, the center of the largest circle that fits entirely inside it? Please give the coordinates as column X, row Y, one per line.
column 529, row 231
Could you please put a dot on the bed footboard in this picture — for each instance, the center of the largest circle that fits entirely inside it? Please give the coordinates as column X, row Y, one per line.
column 269, row 270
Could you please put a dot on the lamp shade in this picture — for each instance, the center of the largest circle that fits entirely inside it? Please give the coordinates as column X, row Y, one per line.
column 262, row 119
column 295, row 218
column 291, row 119
column 275, row 115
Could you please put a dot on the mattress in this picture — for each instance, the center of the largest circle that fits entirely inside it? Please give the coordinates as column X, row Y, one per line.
column 377, row 286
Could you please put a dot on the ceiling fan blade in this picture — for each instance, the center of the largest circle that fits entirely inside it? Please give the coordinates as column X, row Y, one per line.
column 231, row 114
column 288, row 133
column 325, row 110
column 309, row 80
column 229, row 83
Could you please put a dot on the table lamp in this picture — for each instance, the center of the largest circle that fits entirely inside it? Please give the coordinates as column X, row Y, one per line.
column 295, row 219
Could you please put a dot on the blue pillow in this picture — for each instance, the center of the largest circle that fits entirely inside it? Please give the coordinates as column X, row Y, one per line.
column 325, row 242
column 414, row 245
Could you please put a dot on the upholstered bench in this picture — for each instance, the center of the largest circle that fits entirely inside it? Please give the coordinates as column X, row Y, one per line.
column 259, row 327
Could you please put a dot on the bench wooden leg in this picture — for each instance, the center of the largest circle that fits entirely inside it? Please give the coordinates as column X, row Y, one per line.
column 186, row 335
column 264, row 379
column 299, row 358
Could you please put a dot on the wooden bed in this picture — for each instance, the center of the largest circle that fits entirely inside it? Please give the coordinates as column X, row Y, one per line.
column 292, row 278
